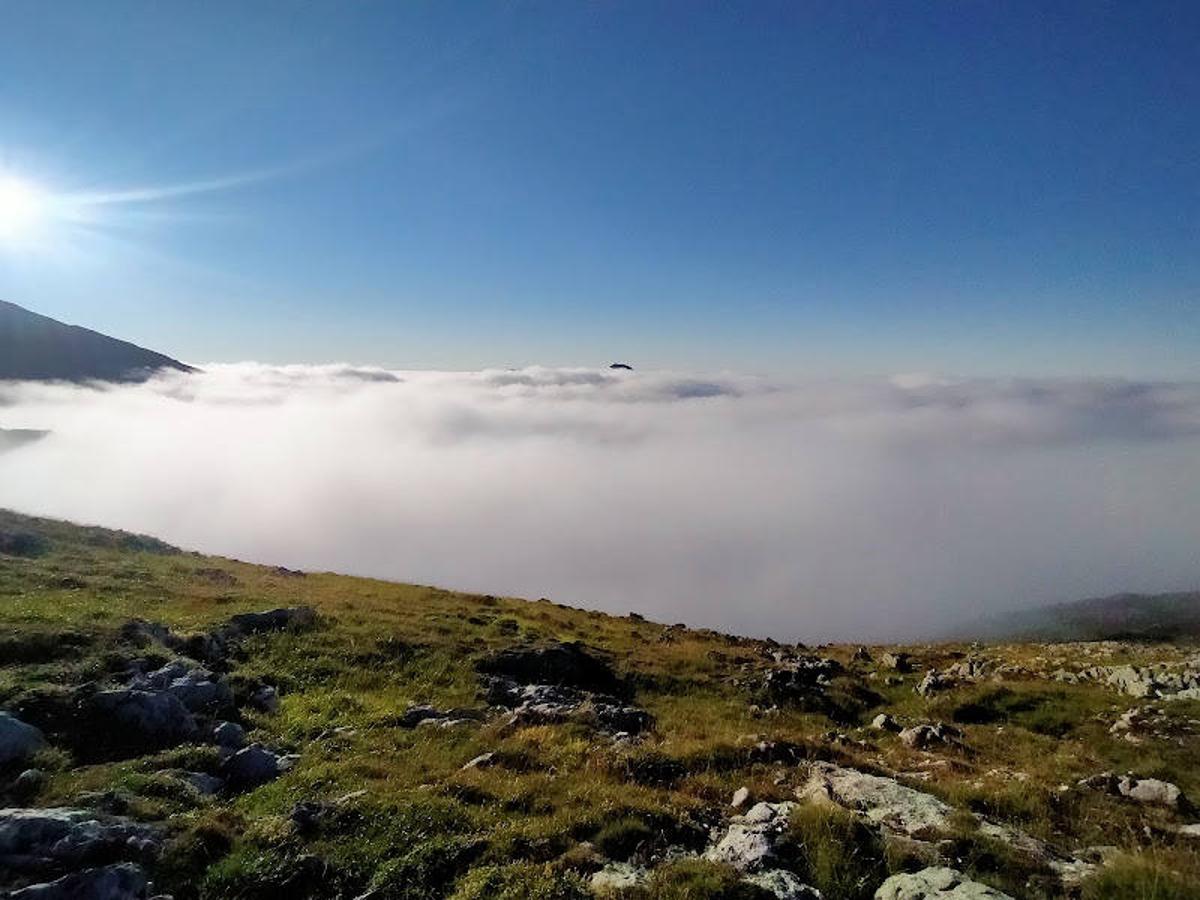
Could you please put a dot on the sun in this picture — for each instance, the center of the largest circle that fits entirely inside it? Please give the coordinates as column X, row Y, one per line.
column 22, row 207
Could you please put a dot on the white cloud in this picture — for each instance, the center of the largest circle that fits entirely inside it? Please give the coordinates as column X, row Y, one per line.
column 856, row 510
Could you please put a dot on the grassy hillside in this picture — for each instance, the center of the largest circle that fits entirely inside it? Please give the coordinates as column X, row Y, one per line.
column 1151, row 617
column 376, row 807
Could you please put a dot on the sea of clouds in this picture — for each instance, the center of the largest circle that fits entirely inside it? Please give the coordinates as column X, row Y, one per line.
column 855, row 510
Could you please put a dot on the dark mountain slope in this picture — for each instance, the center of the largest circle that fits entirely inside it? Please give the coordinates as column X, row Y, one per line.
column 37, row 348
column 1121, row 616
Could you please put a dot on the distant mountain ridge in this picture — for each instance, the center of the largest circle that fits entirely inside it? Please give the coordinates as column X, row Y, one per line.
column 1121, row 616
column 34, row 347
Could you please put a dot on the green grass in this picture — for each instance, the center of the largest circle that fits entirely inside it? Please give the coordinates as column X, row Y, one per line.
column 425, row 828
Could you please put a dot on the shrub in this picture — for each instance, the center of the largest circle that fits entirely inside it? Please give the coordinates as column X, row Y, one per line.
column 696, row 879
column 523, row 881
column 620, row 839
column 1138, row 878
column 836, row 853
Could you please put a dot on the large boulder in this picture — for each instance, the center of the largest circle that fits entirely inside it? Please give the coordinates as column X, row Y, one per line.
column 141, row 720
column 883, row 801
column 18, row 740
column 254, row 765
column 124, row 881
column 748, row 844
column 565, row 664
column 937, row 883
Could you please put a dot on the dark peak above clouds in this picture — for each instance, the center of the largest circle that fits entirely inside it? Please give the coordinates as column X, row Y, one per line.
column 34, row 347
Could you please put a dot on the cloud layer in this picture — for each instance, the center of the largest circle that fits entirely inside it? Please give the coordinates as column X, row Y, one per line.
column 849, row 510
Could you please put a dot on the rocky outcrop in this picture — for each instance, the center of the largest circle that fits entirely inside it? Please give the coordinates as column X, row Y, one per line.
column 617, row 877
column 938, row 883
column 749, row 842
column 144, row 720
column 883, row 801
column 214, row 647
column 566, row 664
column 49, row 841
column 1180, row 681
column 548, row 704
column 933, row 682
column 783, row 885
column 897, row 662
column 197, row 688
column 426, row 716
column 18, row 740
column 124, row 881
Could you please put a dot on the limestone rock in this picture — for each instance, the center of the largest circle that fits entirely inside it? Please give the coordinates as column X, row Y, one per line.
column 617, row 876
column 783, row 885
column 938, row 883
column 749, row 842
column 881, row 800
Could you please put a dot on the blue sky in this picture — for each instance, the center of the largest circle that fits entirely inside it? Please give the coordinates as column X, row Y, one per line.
column 812, row 188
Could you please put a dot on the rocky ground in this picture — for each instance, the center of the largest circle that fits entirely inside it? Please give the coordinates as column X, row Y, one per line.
column 178, row 725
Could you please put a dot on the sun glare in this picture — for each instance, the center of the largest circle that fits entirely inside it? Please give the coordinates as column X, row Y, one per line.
column 22, row 207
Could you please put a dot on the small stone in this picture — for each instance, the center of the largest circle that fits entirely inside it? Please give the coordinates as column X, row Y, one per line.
column 740, row 797
column 885, row 722
column 783, row 885
column 230, row 735
column 482, row 761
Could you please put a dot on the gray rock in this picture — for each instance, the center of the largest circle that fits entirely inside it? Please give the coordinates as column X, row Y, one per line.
column 230, row 735
column 783, row 885
column 254, row 765
column 899, row 662
column 124, row 881
column 885, row 722
column 1151, row 791
column 618, row 876
column 265, row 699
column 883, row 801
column 938, row 883
column 293, row 617
column 934, row 682
column 204, row 784
column 149, row 719
column 36, row 839
column 197, row 689
column 18, row 740
column 921, row 736
column 482, row 761
column 740, row 797
column 748, row 844
column 28, row 784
